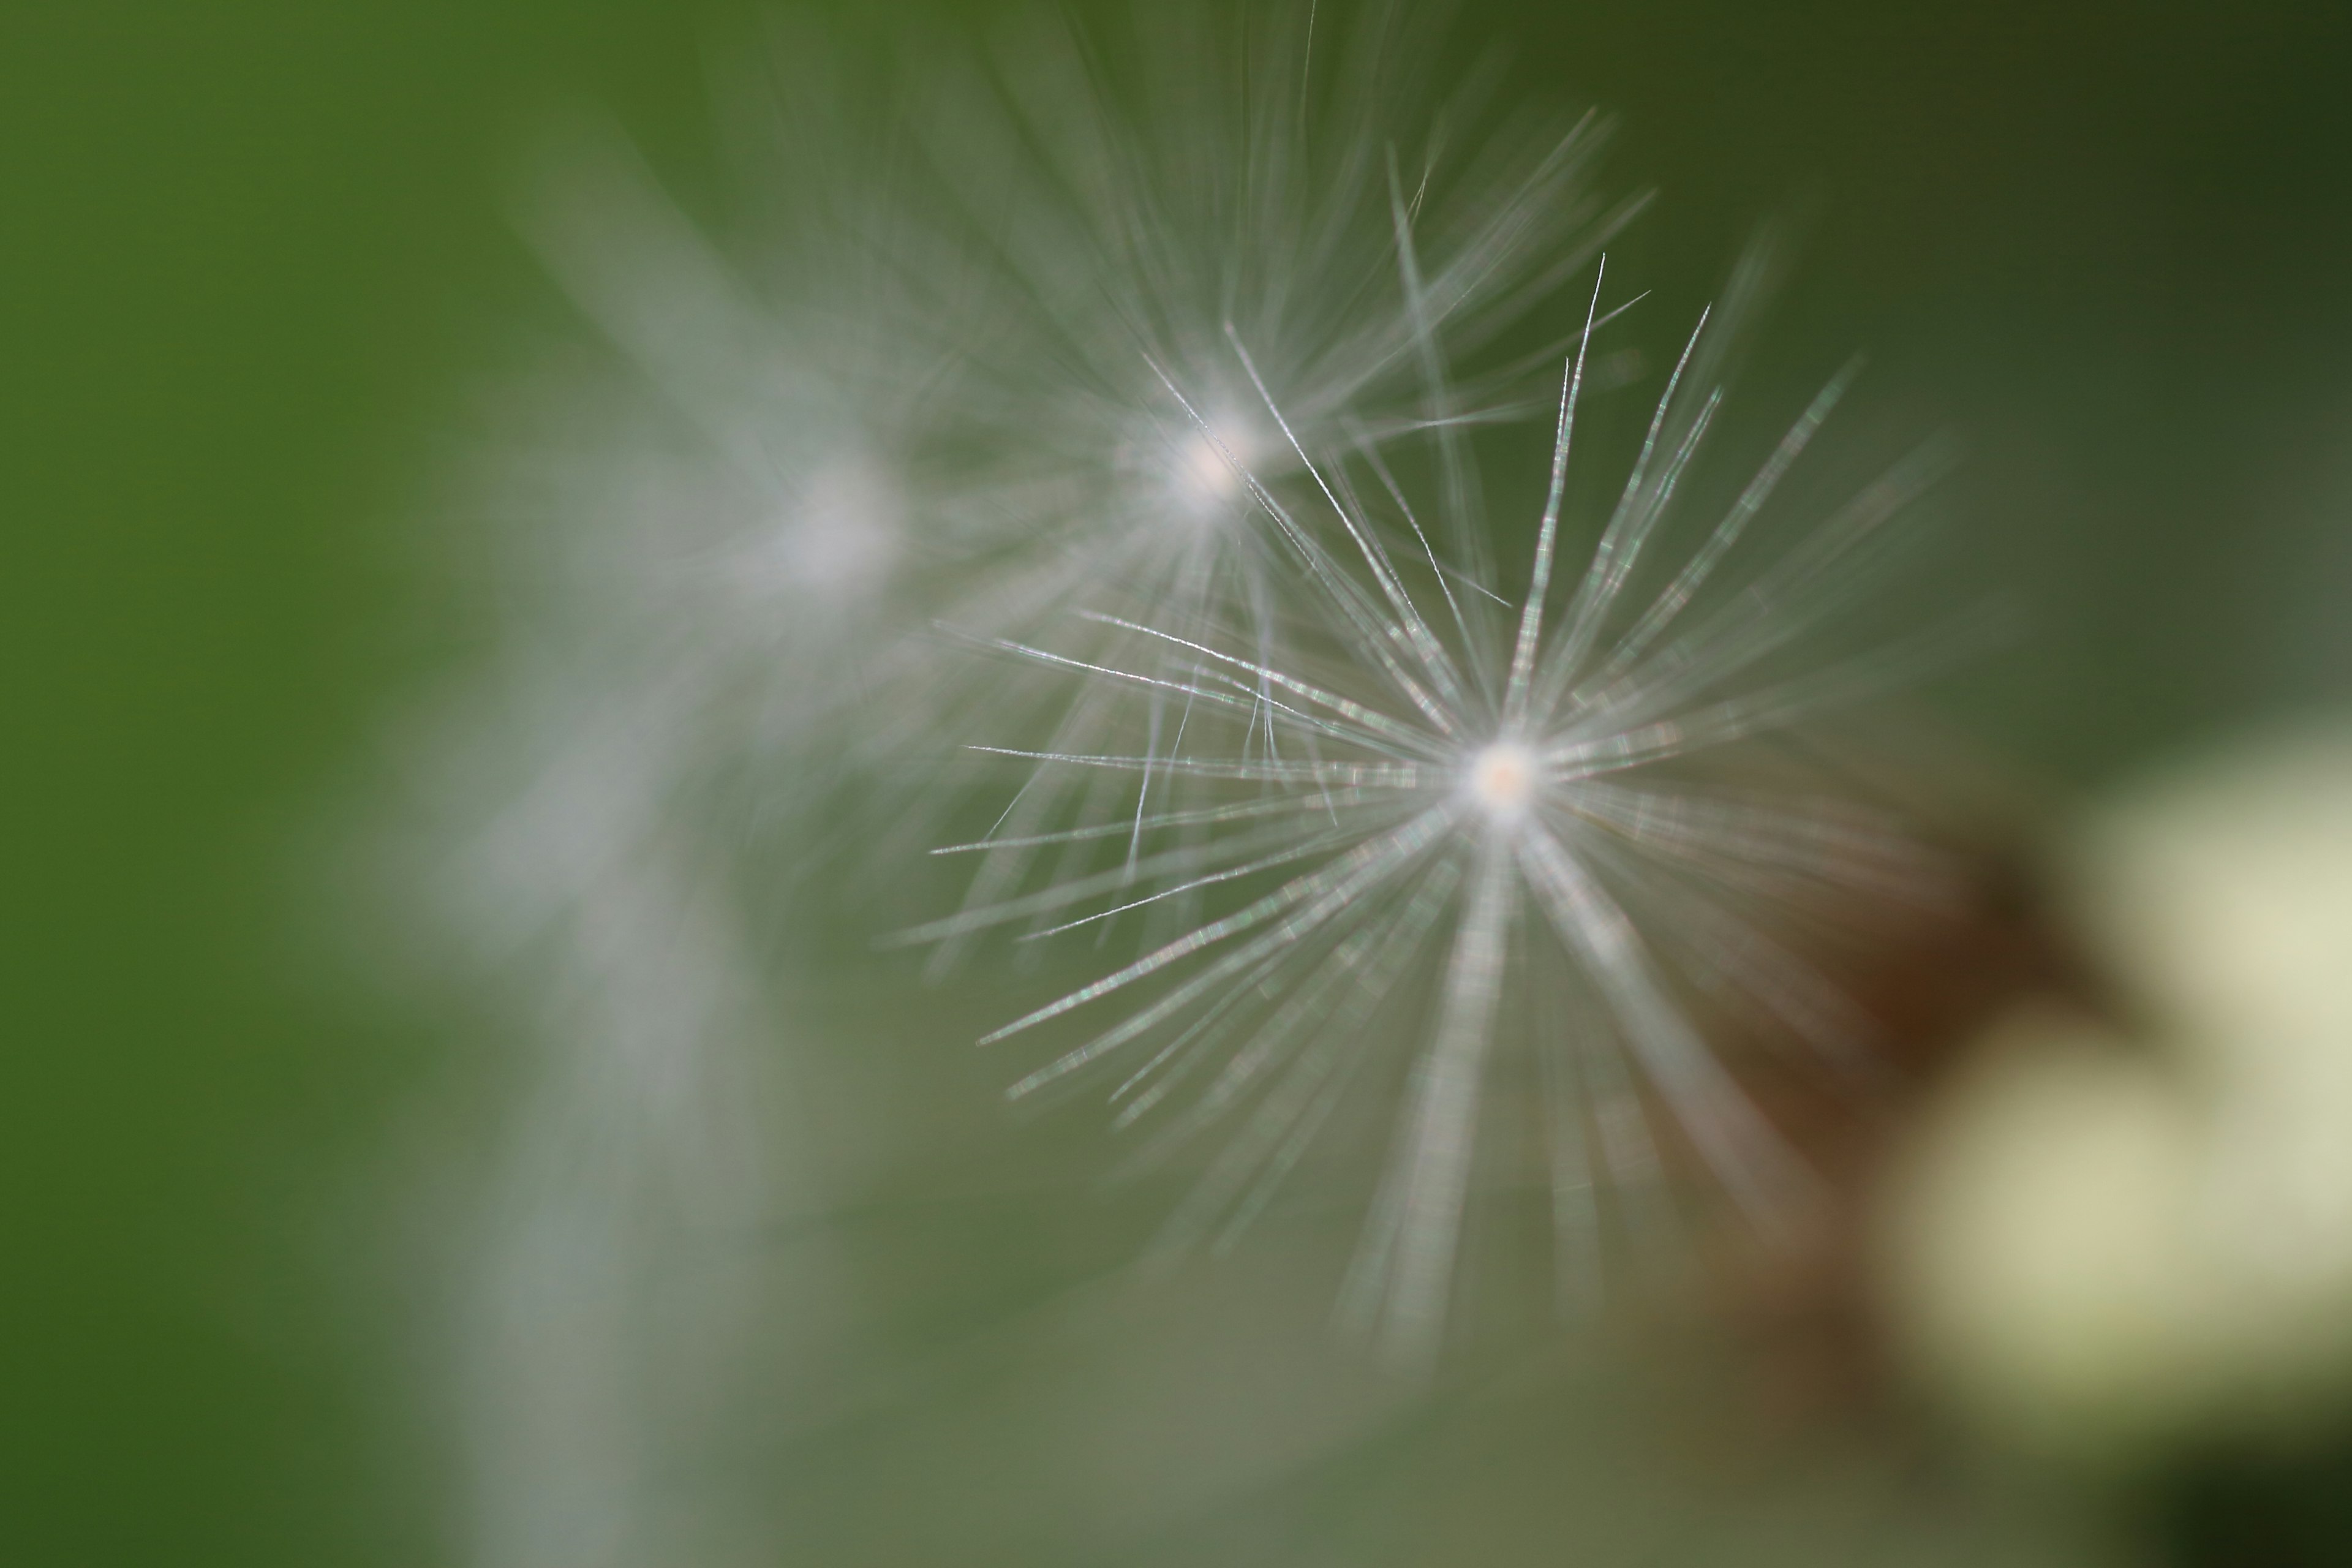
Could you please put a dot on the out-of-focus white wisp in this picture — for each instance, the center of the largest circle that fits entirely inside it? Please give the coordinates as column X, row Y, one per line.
column 1450, row 821
column 700, row 538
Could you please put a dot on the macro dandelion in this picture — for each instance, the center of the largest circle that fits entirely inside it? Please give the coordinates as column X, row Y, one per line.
column 1251, row 171
column 1469, row 812
column 1249, row 174
column 926, row 377
column 1161, row 360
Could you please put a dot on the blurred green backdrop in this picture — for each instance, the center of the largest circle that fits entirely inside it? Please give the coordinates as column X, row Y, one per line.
column 254, row 251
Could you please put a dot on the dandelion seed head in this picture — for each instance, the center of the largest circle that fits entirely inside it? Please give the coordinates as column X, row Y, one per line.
column 1259, row 201
column 1478, row 810
column 905, row 398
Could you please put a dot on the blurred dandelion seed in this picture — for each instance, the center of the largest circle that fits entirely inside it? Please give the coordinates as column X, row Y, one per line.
column 1476, row 777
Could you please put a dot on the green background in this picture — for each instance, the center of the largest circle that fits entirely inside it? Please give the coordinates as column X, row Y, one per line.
column 253, row 255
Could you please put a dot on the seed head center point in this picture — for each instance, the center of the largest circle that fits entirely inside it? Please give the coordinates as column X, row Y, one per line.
column 1503, row 778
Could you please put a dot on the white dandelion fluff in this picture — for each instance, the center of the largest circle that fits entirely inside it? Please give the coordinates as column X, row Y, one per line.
column 1136, row 214
column 709, row 535
column 930, row 382
column 739, row 511
column 1252, row 173
column 1441, row 803
column 920, row 383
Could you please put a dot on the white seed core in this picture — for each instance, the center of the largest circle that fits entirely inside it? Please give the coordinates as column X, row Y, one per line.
column 1203, row 477
column 843, row 539
column 1203, row 471
column 1503, row 778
